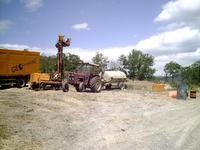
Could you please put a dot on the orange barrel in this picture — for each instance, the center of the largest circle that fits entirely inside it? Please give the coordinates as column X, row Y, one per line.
column 193, row 94
column 173, row 94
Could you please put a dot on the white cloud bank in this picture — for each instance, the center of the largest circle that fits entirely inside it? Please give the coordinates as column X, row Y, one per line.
column 81, row 26
column 180, row 13
column 180, row 10
column 32, row 5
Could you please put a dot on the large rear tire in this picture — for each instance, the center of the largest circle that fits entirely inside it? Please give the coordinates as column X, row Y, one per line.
column 108, row 87
column 65, row 87
column 95, row 84
column 81, row 87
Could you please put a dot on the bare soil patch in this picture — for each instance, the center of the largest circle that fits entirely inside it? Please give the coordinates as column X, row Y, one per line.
column 114, row 119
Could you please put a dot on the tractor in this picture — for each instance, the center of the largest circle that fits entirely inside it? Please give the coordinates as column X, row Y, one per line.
column 86, row 75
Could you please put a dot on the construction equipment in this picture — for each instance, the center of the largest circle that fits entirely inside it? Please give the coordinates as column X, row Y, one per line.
column 86, row 76
column 91, row 76
column 57, row 79
column 17, row 66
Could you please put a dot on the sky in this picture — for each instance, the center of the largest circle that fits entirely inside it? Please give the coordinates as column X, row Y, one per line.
column 167, row 29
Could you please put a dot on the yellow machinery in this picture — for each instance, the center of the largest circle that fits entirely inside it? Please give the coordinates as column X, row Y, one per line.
column 42, row 80
column 158, row 87
column 16, row 66
column 55, row 80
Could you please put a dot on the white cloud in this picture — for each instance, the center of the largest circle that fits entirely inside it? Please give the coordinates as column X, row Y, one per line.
column 183, row 39
column 180, row 40
column 5, row 25
column 81, row 26
column 183, row 59
column 19, row 47
column 32, row 5
column 181, row 11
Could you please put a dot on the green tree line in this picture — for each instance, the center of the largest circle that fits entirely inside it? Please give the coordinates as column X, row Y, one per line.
column 136, row 65
column 189, row 74
column 48, row 64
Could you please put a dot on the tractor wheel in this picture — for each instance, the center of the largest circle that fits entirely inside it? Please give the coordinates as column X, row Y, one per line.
column 81, row 87
column 33, row 86
column 57, row 87
column 42, row 86
column 122, row 85
column 21, row 83
column 108, row 87
column 65, row 87
column 76, row 87
column 95, row 84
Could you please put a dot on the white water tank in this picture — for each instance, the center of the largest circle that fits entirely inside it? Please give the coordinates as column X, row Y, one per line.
column 112, row 75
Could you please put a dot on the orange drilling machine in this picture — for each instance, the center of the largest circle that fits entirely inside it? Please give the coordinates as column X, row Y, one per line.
column 57, row 80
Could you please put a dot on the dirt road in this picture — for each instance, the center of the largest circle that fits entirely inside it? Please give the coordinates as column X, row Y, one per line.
column 129, row 119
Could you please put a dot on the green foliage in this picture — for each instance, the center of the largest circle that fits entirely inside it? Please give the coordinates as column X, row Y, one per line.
column 138, row 65
column 101, row 60
column 48, row 64
column 172, row 69
column 123, row 63
column 71, row 62
column 189, row 74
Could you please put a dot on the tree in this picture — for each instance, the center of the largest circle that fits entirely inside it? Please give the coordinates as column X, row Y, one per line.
column 49, row 63
column 191, row 74
column 113, row 65
column 138, row 65
column 123, row 63
column 71, row 62
column 101, row 60
column 172, row 69
column 144, row 70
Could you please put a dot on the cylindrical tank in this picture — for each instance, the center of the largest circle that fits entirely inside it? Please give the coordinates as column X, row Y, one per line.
column 108, row 76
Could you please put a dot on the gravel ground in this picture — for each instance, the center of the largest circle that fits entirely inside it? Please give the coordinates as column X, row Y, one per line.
column 115, row 119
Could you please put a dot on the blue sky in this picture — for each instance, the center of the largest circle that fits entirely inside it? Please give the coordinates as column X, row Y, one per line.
column 166, row 29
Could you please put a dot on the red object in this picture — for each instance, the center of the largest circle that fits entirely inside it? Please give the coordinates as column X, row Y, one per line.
column 173, row 94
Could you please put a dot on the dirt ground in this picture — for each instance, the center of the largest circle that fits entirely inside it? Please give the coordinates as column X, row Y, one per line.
column 130, row 119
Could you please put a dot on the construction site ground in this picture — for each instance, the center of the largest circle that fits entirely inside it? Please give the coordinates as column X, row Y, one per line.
column 135, row 118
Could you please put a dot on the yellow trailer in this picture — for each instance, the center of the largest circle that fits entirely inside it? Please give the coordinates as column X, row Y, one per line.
column 16, row 66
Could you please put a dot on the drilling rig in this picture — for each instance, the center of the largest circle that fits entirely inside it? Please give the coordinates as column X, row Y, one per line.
column 56, row 80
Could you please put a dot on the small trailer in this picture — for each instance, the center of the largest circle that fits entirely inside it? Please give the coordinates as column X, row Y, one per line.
column 17, row 66
column 114, row 78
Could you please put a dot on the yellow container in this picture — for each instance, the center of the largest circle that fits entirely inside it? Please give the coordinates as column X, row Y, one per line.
column 18, row 63
column 39, row 77
column 158, row 87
